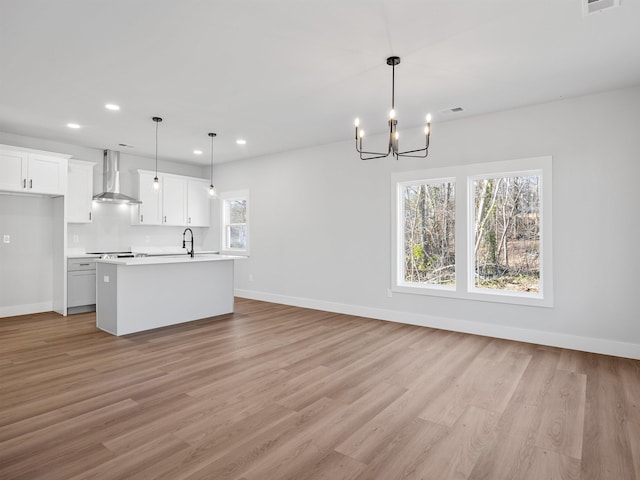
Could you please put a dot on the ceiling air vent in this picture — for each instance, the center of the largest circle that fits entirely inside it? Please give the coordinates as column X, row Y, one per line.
column 449, row 111
column 589, row 7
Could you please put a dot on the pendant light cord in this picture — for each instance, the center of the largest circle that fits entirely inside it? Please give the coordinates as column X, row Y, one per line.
column 211, row 177
column 157, row 120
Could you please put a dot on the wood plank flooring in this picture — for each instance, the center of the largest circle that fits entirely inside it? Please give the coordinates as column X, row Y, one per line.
column 275, row 392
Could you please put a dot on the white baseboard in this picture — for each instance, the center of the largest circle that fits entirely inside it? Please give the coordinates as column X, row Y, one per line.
column 26, row 309
column 562, row 340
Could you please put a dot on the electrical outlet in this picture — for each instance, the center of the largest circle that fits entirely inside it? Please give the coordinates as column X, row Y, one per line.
column 389, row 293
column 76, row 239
column 6, row 239
column 106, row 279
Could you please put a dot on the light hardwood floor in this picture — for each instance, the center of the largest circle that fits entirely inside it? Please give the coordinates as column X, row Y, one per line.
column 275, row 392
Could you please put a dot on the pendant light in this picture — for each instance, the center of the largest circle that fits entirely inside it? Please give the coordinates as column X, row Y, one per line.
column 212, row 190
column 156, row 182
column 393, row 132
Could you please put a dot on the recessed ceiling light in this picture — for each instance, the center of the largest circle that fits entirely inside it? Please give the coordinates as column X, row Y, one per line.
column 112, row 106
column 241, row 141
column 197, row 152
column 73, row 125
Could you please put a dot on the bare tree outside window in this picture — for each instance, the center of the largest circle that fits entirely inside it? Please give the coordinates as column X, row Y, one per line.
column 238, row 224
column 429, row 233
column 507, row 233
column 235, row 213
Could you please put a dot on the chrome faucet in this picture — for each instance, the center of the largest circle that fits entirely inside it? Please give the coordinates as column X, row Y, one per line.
column 184, row 242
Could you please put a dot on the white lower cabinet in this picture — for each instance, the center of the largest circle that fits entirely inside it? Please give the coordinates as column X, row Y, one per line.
column 81, row 284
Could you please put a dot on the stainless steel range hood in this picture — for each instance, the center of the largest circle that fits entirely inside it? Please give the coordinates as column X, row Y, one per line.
column 111, row 181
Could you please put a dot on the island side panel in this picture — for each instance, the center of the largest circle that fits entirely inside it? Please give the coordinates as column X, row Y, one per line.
column 107, row 298
column 158, row 295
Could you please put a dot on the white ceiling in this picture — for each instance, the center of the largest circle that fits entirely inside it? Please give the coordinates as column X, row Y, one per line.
column 285, row 74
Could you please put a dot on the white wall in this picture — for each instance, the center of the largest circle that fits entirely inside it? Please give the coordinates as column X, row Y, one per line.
column 320, row 224
column 26, row 263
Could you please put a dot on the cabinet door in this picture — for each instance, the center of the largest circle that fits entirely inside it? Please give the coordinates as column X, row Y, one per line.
column 46, row 175
column 81, row 288
column 198, row 203
column 174, row 200
column 80, row 193
column 12, row 166
column 149, row 213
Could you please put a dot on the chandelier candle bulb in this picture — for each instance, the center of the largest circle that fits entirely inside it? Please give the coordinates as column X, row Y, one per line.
column 392, row 114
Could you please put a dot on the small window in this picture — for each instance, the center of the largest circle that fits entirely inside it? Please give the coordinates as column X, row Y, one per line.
column 235, row 222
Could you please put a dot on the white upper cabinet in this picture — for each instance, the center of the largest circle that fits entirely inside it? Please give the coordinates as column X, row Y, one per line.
column 198, row 203
column 150, row 211
column 180, row 201
column 11, row 166
column 79, row 197
column 174, row 200
column 31, row 171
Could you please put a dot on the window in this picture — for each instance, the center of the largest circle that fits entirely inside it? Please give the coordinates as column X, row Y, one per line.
column 235, row 223
column 428, row 213
column 506, row 226
column 480, row 232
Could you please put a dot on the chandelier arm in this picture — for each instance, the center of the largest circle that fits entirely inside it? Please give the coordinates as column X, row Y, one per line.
column 370, row 153
column 374, row 153
column 425, row 149
column 380, row 155
column 405, row 154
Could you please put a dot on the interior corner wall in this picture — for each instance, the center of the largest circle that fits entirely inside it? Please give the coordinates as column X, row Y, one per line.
column 320, row 224
column 26, row 262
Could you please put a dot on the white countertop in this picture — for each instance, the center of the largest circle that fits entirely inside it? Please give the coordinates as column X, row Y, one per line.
column 167, row 259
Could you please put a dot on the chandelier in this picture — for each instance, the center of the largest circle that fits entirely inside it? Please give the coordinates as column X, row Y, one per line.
column 393, row 125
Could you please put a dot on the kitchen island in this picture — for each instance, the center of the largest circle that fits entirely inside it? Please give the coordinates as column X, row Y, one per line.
column 137, row 294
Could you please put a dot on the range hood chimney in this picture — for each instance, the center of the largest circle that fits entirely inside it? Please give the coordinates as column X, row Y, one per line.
column 111, row 181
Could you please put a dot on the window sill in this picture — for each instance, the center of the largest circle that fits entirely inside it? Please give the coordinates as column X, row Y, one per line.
column 482, row 295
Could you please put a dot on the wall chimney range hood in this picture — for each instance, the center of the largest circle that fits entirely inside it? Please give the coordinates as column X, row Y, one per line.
column 111, row 181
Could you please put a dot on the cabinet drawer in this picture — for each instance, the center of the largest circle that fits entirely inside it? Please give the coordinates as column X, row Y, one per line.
column 76, row 264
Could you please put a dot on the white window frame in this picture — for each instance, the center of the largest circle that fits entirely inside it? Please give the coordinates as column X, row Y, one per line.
column 225, row 198
column 400, row 281
column 464, row 176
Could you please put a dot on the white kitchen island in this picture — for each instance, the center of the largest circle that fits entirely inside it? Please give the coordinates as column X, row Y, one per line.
column 137, row 294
